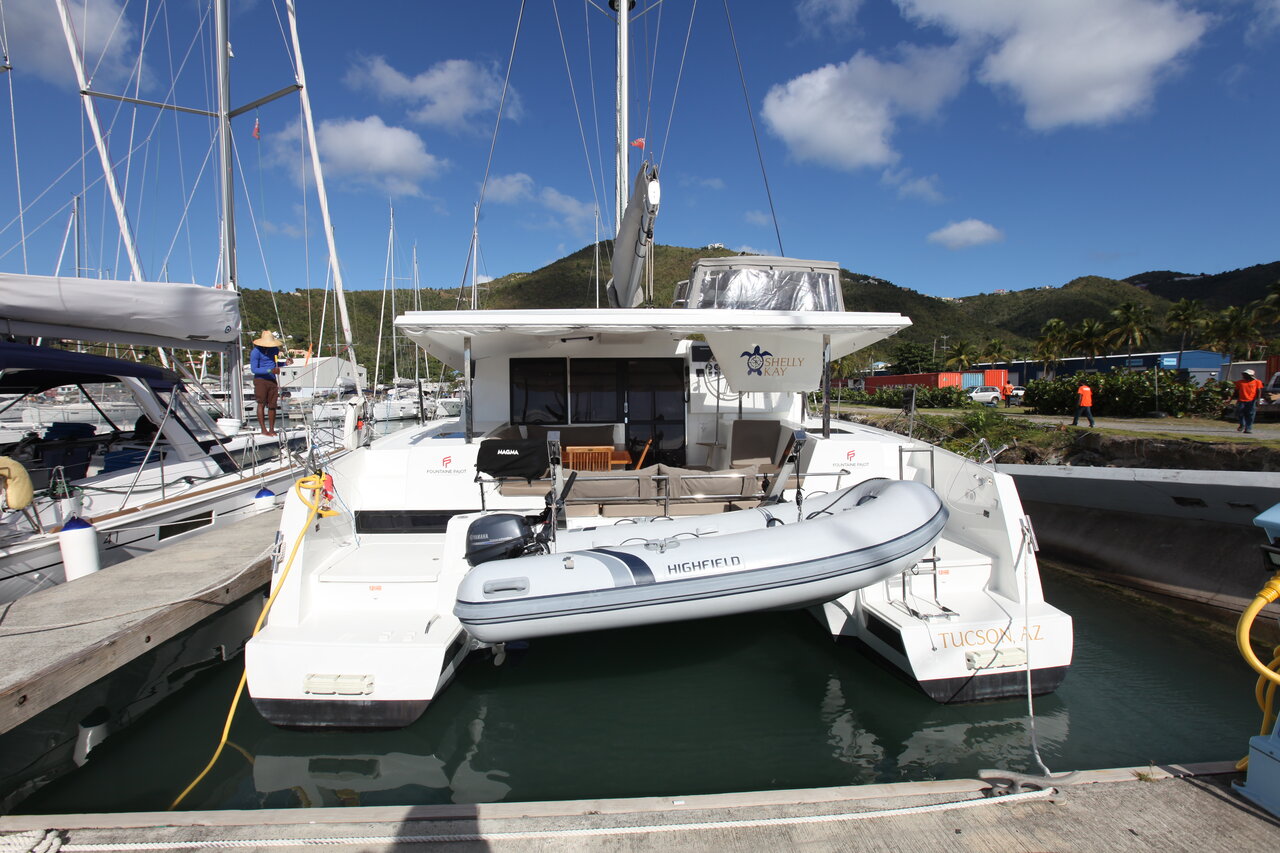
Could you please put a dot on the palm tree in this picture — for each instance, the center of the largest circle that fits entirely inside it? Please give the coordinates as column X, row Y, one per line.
column 961, row 355
column 1236, row 330
column 1089, row 339
column 1133, row 326
column 995, row 351
column 1188, row 318
column 1051, row 344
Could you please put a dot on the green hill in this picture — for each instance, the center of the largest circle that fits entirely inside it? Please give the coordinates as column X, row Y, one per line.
column 1015, row 317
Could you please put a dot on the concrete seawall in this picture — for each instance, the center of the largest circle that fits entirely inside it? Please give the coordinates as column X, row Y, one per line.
column 1185, row 534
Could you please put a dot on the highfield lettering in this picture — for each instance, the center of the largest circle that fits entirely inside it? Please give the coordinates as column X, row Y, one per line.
column 700, row 565
column 979, row 637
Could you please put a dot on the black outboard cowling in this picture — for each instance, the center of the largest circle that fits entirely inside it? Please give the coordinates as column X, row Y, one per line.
column 500, row 536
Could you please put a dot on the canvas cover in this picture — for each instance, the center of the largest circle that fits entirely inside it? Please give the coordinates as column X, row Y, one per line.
column 762, row 283
column 525, row 458
column 146, row 313
column 635, row 237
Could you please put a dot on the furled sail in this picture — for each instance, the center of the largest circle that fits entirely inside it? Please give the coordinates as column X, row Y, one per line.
column 635, row 236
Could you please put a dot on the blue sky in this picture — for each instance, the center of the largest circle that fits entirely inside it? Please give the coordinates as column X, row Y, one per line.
column 950, row 146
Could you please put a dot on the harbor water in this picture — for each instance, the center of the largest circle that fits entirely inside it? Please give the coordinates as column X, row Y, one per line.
column 758, row 702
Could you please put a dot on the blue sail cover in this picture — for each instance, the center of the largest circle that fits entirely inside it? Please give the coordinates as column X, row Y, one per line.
column 26, row 369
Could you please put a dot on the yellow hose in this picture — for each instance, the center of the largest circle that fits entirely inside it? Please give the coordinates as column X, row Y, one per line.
column 312, row 483
column 1268, row 674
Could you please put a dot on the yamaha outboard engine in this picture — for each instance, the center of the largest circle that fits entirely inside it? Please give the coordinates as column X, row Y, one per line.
column 500, row 536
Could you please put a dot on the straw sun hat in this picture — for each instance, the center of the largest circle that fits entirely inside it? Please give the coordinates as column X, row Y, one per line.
column 268, row 339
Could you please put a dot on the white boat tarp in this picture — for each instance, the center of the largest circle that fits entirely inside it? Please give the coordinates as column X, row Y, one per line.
column 146, row 313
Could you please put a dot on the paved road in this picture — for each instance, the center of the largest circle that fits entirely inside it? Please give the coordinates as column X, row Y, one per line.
column 1188, row 427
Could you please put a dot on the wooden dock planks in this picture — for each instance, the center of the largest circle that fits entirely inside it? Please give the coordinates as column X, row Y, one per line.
column 63, row 639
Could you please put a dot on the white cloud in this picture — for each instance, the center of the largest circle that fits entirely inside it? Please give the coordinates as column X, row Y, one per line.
column 578, row 216
column 454, row 94
column 368, row 152
column 1266, row 22
column 508, row 189
column 37, row 45
column 910, row 186
column 757, row 217
column 966, row 234
column 819, row 16
column 744, row 249
column 287, row 229
column 1071, row 62
column 845, row 115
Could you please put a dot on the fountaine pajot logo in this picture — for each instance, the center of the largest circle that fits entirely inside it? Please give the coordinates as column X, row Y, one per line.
column 755, row 360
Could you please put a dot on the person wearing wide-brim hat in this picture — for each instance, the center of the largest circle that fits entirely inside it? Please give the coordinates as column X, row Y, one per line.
column 1247, row 389
column 264, row 361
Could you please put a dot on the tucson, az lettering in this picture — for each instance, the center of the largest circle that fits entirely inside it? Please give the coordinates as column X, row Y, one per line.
column 987, row 637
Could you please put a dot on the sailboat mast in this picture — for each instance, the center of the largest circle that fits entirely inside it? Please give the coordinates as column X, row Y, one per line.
column 318, row 174
column 475, row 257
column 620, row 145
column 228, row 273
column 391, row 262
column 100, row 143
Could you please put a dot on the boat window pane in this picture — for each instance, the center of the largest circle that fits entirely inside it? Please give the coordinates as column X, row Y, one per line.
column 538, row 390
column 595, row 391
column 770, row 289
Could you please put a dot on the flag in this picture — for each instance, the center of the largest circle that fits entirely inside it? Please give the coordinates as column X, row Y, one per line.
column 257, row 132
column 638, row 143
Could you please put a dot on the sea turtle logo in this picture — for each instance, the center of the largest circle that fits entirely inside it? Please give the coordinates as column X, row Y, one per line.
column 755, row 361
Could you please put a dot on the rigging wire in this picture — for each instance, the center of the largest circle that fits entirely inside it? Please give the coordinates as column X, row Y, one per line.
column 573, row 93
column 754, row 133
column 257, row 234
column 497, row 122
column 676, row 93
column 653, row 66
column 13, row 122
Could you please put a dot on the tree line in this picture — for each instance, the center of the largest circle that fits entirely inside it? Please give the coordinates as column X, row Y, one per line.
column 1241, row 331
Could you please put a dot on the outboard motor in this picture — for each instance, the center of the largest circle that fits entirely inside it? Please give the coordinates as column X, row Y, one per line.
column 500, row 536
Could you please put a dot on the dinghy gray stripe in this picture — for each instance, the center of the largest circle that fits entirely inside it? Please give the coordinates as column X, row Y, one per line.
column 617, row 568
column 640, row 570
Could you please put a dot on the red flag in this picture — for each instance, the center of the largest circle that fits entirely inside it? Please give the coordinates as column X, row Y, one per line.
column 638, row 143
column 257, row 133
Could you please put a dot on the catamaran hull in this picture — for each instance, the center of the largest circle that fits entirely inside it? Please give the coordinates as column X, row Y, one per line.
column 853, row 538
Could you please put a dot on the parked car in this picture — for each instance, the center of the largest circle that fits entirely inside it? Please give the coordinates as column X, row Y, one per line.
column 1018, row 392
column 986, row 394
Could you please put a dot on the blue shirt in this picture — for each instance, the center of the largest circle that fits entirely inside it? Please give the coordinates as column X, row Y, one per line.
column 262, row 360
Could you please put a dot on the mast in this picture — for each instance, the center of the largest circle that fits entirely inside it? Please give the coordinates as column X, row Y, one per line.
column 100, row 143
column 391, row 261
column 227, row 267
column 318, row 174
column 621, row 169
column 475, row 257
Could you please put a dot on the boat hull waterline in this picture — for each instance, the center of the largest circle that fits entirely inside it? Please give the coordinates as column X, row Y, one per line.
column 737, row 562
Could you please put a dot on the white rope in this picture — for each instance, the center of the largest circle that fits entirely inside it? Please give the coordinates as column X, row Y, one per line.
column 600, row 832
column 31, row 841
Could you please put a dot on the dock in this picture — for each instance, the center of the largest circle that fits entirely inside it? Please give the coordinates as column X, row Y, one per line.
column 64, row 639
column 1172, row 808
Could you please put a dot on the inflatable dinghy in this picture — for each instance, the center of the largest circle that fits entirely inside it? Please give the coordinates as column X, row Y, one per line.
column 766, row 558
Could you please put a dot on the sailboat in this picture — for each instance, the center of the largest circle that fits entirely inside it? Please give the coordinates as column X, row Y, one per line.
column 631, row 465
column 176, row 469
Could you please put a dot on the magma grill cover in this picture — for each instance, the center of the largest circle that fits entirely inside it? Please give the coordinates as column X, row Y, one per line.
column 512, row 458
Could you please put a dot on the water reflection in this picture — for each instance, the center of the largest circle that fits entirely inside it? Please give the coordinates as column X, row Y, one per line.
column 754, row 702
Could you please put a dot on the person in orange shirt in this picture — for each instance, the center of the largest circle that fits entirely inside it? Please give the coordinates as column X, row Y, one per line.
column 1084, row 403
column 1247, row 390
column 1007, row 393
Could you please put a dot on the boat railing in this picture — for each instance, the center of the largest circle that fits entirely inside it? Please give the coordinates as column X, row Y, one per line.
column 665, row 494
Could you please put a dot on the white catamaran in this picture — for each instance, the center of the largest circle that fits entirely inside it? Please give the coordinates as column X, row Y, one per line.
column 623, row 465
